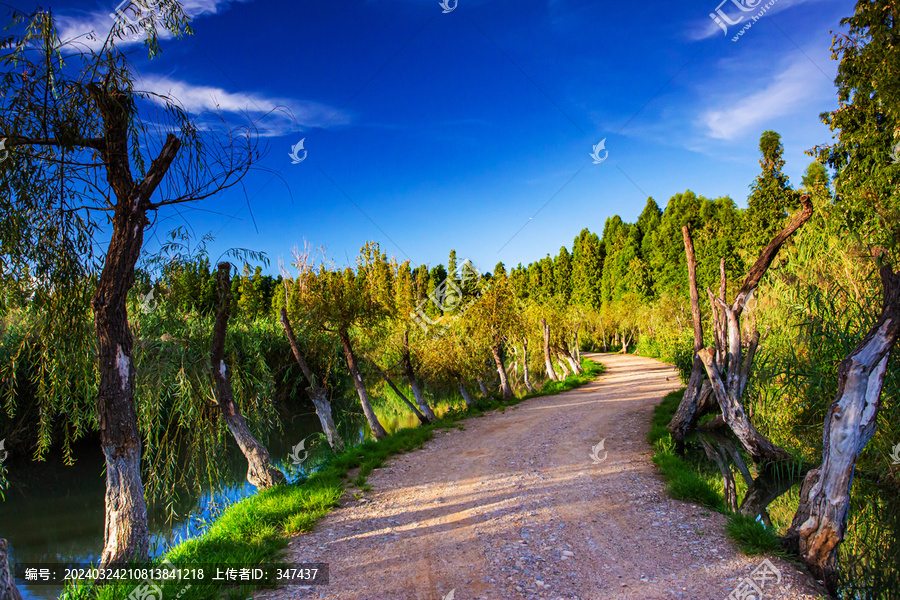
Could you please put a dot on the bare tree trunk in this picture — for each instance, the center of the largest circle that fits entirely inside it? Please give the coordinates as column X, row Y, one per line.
column 525, row 364
column 413, row 384
column 260, row 471
column 576, row 350
column 729, row 385
column 464, row 392
column 8, row 590
column 686, row 416
column 561, row 361
column 316, row 393
column 422, row 418
column 376, row 427
column 126, row 535
column 482, row 387
column 505, row 389
column 820, row 523
column 569, row 357
column 551, row 373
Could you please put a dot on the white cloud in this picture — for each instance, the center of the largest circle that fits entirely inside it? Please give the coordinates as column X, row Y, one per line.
column 788, row 92
column 273, row 116
column 99, row 23
column 708, row 28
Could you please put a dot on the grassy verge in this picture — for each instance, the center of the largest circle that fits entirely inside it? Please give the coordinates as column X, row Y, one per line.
column 694, row 478
column 254, row 531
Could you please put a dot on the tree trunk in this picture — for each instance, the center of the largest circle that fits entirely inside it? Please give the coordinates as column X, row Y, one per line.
column 8, row 590
column 547, row 361
column 260, row 471
column 413, row 384
column 126, row 535
column 422, row 418
column 561, row 361
column 569, row 357
column 505, row 389
column 483, row 388
column 377, row 430
column 686, row 416
column 729, row 385
column 625, row 342
column 316, row 393
column 820, row 523
column 525, row 364
column 465, row 393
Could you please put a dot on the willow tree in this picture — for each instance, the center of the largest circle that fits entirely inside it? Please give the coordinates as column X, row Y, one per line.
column 83, row 143
column 493, row 318
column 338, row 302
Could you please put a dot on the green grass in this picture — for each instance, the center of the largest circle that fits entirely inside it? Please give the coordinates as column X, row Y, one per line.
column 253, row 531
column 693, row 478
column 752, row 536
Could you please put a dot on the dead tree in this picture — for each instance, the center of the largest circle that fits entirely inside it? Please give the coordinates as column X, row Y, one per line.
column 726, row 365
column 821, row 519
column 315, row 392
column 686, row 416
column 548, row 362
column 260, row 471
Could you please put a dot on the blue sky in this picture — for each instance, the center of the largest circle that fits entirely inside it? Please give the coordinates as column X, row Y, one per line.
column 427, row 131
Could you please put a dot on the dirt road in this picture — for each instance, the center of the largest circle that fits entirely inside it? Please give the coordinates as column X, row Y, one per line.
column 515, row 507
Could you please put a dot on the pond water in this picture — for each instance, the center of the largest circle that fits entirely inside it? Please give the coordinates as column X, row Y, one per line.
column 55, row 513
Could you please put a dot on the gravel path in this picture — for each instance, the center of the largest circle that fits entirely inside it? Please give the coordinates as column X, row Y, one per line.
column 515, row 508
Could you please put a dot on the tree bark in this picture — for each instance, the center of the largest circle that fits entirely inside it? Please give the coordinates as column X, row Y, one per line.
column 316, row 393
column 569, row 357
column 465, row 393
column 422, row 418
column 376, row 427
column 260, row 471
column 728, row 385
column 820, row 523
column 551, row 373
column 505, row 389
column 126, row 535
column 413, row 384
column 686, row 416
column 525, row 364
column 8, row 590
column 483, row 388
